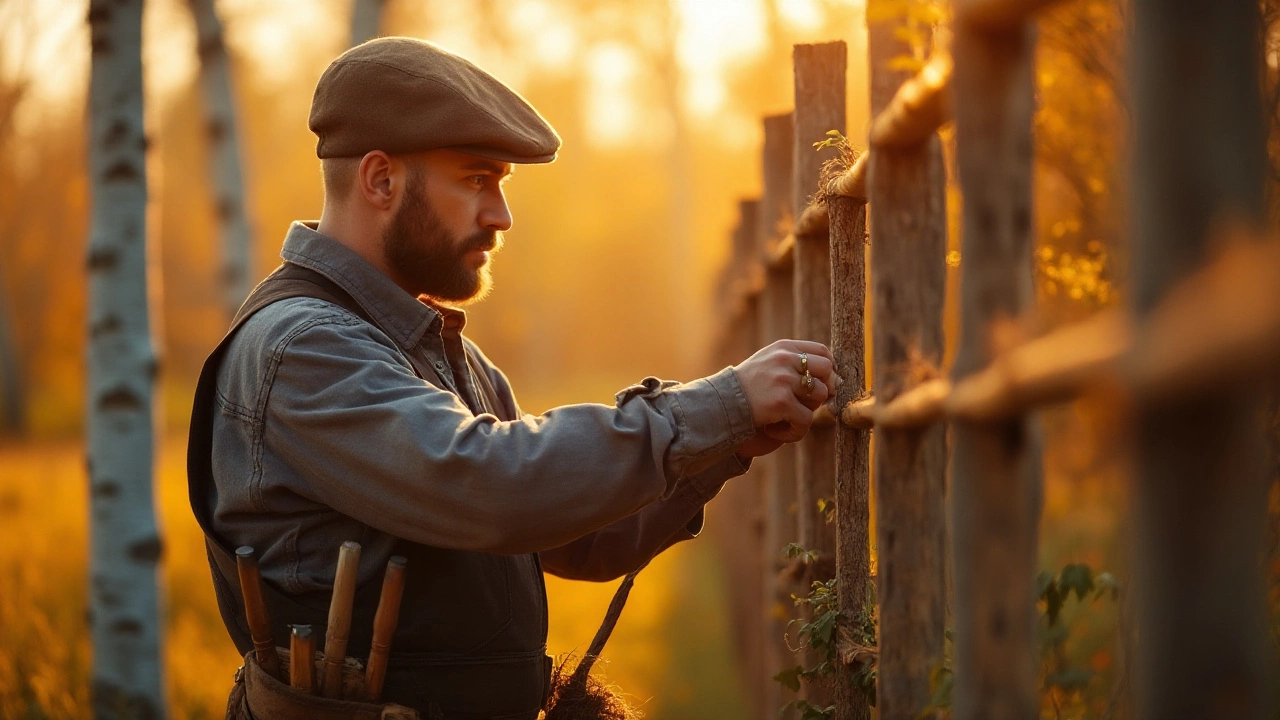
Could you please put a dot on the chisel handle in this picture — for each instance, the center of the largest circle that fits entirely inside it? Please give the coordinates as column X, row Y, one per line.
column 255, row 608
column 302, row 651
column 384, row 627
column 335, row 638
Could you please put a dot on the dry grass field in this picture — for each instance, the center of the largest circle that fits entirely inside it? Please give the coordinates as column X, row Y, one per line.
column 670, row 650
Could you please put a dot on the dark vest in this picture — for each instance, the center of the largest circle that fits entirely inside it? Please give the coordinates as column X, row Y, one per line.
column 471, row 641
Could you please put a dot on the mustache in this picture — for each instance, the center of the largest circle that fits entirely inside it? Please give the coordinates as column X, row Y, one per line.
column 483, row 241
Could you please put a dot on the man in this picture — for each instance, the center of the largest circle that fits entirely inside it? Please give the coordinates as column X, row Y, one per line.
column 357, row 410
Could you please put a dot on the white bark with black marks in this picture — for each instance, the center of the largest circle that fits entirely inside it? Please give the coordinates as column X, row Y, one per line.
column 225, row 166
column 125, row 542
column 366, row 20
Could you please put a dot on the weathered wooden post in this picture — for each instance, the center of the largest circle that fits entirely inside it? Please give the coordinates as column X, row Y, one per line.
column 995, row 466
column 848, row 220
column 820, row 100
column 908, row 272
column 1199, row 162
column 775, row 310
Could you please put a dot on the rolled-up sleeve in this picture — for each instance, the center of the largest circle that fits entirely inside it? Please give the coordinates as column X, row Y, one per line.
column 390, row 450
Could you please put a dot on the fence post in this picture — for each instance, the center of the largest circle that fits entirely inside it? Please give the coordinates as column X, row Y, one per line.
column 848, row 220
column 780, row 466
column 908, row 273
column 995, row 467
column 820, row 101
column 1199, row 162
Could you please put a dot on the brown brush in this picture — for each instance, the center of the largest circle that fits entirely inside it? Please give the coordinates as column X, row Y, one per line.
column 302, row 650
column 255, row 608
column 335, row 639
column 384, row 627
column 577, row 695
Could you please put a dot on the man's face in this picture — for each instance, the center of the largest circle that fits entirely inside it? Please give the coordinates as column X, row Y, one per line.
column 449, row 222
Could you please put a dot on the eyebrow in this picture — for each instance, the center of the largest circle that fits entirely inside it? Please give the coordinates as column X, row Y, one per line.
column 491, row 166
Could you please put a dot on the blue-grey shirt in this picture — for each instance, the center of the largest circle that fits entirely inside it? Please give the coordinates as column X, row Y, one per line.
column 324, row 433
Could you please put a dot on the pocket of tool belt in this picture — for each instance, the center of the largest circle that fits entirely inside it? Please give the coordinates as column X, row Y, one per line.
column 258, row 696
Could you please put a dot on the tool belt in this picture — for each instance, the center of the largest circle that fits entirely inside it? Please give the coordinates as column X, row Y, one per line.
column 258, row 696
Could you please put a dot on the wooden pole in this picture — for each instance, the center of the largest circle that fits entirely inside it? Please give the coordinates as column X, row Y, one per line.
column 852, row 446
column 780, row 467
column 820, row 103
column 1199, row 160
column 995, row 466
column 908, row 274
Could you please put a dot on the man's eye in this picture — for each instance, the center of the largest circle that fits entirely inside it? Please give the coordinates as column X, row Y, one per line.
column 477, row 180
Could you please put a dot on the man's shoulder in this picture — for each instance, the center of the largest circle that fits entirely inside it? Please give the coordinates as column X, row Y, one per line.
column 270, row 331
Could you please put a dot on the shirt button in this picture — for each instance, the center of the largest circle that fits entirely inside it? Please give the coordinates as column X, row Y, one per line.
column 439, row 365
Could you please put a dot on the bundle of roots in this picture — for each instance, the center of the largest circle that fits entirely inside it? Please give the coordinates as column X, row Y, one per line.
column 575, row 693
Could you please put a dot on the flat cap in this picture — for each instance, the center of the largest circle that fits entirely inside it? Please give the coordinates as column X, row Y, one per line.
column 404, row 95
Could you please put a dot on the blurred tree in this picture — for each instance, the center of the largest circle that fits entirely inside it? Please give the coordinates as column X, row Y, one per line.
column 227, row 178
column 13, row 397
column 125, row 542
column 366, row 20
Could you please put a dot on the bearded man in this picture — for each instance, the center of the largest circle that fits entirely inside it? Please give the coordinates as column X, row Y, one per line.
column 346, row 404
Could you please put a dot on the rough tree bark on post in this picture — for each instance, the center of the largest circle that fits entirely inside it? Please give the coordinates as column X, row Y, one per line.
column 776, row 316
column 225, row 167
column 366, row 20
column 848, row 220
column 820, row 101
column 995, row 470
column 1199, row 162
column 908, row 273
column 126, row 546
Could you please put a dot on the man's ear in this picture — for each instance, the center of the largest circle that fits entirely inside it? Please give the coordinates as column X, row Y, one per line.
column 379, row 179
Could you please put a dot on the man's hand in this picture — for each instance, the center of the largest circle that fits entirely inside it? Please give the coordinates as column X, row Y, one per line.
column 781, row 404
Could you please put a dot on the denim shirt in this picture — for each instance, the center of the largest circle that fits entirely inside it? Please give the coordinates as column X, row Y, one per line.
column 324, row 433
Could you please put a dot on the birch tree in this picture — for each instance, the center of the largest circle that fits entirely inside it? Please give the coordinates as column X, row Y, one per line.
column 366, row 20
column 125, row 542
column 226, row 174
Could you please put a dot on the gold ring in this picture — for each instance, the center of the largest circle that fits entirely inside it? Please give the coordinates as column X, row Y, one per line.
column 808, row 383
column 804, row 363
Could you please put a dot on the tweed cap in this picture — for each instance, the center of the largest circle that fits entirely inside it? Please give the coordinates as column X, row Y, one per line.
column 404, row 95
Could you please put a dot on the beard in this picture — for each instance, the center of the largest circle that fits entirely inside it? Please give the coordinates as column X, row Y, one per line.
column 428, row 259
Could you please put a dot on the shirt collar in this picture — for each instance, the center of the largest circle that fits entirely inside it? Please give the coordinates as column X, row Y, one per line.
column 398, row 313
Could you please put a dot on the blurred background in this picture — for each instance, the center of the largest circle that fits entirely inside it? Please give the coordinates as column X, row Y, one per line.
column 607, row 277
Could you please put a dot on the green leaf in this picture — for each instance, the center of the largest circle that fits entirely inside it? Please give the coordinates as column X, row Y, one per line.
column 1076, row 577
column 822, row 628
column 1044, row 581
column 1074, row 679
column 1053, row 599
column 790, row 678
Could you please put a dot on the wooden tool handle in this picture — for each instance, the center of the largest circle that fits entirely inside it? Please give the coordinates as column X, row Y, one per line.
column 302, row 651
column 255, row 608
column 384, row 627
column 335, row 638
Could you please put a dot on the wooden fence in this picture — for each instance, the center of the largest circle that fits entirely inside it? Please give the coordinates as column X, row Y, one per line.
column 1190, row 358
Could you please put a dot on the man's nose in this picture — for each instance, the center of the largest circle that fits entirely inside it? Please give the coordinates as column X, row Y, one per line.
column 495, row 215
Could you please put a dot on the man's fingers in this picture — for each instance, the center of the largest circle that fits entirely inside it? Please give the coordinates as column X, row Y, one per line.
column 807, row 346
column 812, row 399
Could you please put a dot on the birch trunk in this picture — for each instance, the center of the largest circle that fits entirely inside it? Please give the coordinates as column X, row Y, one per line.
column 1199, row 161
column 225, row 167
column 995, row 467
column 13, row 400
column 908, row 276
column 125, row 543
column 366, row 20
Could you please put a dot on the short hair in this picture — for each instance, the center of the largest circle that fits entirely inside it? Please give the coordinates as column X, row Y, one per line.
column 339, row 176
